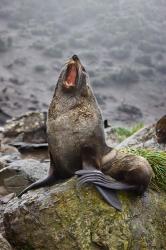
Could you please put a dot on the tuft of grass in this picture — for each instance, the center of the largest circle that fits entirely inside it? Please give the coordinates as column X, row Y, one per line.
column 157, row 160
column 123, row 133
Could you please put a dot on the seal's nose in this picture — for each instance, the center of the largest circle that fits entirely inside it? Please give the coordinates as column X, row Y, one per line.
column 75, row 58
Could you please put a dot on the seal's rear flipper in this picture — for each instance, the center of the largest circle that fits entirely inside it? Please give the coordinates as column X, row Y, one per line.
column 110, row 196
column 106, row 185
column 98, row 178
column 48, row 181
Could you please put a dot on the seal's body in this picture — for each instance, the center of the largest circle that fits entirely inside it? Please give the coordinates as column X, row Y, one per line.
column 77, row 144
column 74, row 123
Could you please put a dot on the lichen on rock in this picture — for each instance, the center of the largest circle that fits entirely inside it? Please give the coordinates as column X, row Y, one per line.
column 63, row 217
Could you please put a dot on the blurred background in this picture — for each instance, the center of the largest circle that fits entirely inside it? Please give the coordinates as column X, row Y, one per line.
column 122, row 44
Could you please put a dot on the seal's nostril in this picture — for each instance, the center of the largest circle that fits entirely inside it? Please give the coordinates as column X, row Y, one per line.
column 75, row 57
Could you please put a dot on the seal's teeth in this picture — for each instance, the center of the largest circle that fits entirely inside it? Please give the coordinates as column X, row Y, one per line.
column 67, row 83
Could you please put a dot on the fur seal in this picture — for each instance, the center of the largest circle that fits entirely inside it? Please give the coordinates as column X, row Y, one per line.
column 76, row 140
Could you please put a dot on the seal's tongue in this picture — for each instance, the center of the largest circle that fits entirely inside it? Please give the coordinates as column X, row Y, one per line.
column 71, row 75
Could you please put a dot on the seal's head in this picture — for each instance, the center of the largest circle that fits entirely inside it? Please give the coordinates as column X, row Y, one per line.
column 73, row 76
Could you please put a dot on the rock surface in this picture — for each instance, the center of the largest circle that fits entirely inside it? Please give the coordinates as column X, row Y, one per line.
column 63, row 217
column 121, row 43
column 20, row 173
column 144, row 138
column 30, row 127
column 4, row 245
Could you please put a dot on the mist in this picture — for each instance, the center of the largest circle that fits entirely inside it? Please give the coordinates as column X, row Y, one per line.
column 122, row 45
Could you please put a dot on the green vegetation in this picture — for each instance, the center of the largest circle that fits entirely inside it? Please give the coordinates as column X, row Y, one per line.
column 123, row 133
column 157, row 160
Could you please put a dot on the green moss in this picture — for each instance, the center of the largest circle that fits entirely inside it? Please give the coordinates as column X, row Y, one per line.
column 70, row 218
column 123, row 133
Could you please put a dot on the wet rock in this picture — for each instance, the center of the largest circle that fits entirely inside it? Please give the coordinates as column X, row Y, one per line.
column 100, row 99
column 30, row 127
column 53, row 52
column 38, row 45
column 16, row 183
column 40, row 68
column 79, row 219
column 16, row 81
column 13, row 180
column 125, row 75
column 33, row 169
column 20, row 174
column 161, row 68
column 112, row 138
column 5, row 199
column 2, row 208
column 16, row 174
column 10, row 157
column 21, row 61
column 4, row 244
column 144, row 138
column 145, row 60
column 6, row 149
column 149, row 73
column 150, row 48
column 5, row 43
column 120, row 54
column 3, row 164
column 128, row 113
column 3, row 192
column 3, row 117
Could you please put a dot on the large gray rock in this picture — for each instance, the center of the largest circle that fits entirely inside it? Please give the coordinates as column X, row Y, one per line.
column 62, row 217
column 30, row 127
column 2, row 164
column 33, row 169
column 21, row 173
column 5, row 43
column 144, row 138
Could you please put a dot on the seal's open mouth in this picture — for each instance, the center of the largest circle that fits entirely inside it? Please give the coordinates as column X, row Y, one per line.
column 71, row 75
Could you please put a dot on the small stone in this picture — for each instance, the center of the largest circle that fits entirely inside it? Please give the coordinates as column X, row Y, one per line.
column 5, row 199
column 3, row 191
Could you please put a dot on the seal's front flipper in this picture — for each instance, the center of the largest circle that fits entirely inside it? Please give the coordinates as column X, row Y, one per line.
column 110, row 196
column 48, row 181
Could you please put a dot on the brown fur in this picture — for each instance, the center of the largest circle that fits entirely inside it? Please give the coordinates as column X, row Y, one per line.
column 131, row 169
column 161, row 130
column 75, row 132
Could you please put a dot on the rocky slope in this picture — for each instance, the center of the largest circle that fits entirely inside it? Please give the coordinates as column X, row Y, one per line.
column 64, row 217
column 121, row 43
